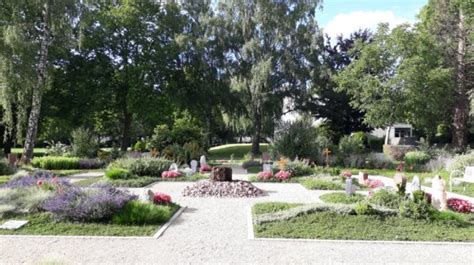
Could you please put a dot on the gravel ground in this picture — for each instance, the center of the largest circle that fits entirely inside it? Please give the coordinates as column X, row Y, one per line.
column 214, row 231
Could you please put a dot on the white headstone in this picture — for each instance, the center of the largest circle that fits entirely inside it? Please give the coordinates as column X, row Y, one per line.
column 194, row 165
column 349, row 189
column 202, row 160
column 13, row 224
column 438, row 196
column 174, row 167
column 415, row 184
column 267, row 167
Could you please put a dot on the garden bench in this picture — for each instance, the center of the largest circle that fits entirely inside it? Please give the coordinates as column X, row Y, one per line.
column 468, row 176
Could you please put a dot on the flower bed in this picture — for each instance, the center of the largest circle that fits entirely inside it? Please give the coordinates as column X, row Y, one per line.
column 101, row 209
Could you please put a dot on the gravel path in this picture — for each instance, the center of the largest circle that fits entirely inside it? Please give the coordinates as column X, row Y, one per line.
column 215, row 231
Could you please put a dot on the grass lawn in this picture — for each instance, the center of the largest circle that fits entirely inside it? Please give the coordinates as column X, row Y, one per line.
column 331, row 225
column 43, row 224
column 254, row 170
column 139, row 181
column 224, row 152
column 341, row 197
column 322, row 184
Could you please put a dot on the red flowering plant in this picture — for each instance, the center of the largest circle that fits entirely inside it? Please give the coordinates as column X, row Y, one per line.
column 374, row 183
column 205, row 168
column 400, row 167
column 161, row 198
column 283, row 175
column 265, row 175
column 460, row 205
column 170, row 174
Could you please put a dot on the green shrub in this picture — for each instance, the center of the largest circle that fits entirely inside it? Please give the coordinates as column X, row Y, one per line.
column 351, row 145
column 298, row 168
column 142, row 213
column 333, row 171
column 386, row 199
column 417, row 158
column 5, row 169
column 117, row 173
column 460, row 162
column 340, row 197
column 375, row 143
column 416, row 209
column 143, row 166
column 139, row 146
column 320, row 184
column 364, row 209
column 298, row 139
column 56, row 162
column 84, row 143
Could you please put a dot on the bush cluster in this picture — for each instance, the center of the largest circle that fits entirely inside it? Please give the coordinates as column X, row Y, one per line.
column 460, row 162
column 152, row 167
column 62, row 163
column 386, row 199
column 141, row 213
column 84, row 143
column 298, row 168
column 417, row 158
column 5, row 169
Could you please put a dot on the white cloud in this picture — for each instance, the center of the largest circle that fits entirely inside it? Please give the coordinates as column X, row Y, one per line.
column 346, row 23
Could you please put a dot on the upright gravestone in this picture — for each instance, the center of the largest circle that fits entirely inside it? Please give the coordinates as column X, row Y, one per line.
column 203, row 161
column 267, row 167
column 221, row 174
column 349, row 188
column 438, row 196
column 174, row 167
column 415, row 184
column 194, row 165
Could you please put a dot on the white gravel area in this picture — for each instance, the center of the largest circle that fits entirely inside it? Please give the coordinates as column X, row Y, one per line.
column 214, row 231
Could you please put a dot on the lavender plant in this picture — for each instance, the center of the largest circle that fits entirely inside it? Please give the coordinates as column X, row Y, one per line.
column 96, row 204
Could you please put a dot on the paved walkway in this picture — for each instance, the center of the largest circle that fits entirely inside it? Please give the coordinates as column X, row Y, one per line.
column 215, row 231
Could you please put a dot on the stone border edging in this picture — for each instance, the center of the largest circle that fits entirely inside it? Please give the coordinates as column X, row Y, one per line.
column 251, row 236
column 155, row 236
column 162, row 230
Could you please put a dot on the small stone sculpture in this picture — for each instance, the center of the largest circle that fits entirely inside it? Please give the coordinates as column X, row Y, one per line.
column 194, row 165
column 173, row 167
column 202, row 161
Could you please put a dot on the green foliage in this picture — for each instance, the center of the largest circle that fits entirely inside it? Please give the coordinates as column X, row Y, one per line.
column 117, row 173
column 363, row 208
column 321, row 184
column 143, row 213
column 332, row 171
column 84, row 143
column 340, row 197
column 385, row 198
column 416, row 209
column 143, row 166
column 299, row 139
column 331, row 225
column 56, row 162
column 272, row 207
column 351, row 145
column 298, row 168
column 417, row 158
column 22, row 200
column 252, row 163
column 139, row 146
column 5, row 169
column 460, row 162
column 58, row 149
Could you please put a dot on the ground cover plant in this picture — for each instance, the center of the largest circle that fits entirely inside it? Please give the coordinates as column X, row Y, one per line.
column 56, row 207
column 65, row 163
column 319, row 183
column 383, row 215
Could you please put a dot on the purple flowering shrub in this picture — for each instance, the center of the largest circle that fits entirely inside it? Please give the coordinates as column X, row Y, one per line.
column 88, row 205
column 39, row 178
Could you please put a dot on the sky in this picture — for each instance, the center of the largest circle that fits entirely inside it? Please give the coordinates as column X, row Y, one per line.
column 346, row 16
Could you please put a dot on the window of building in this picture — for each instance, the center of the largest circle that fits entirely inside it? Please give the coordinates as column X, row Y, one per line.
column 402, row 132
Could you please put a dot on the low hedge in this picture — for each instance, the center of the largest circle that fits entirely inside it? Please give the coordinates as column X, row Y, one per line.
column 152, row 167
column 62, row 163
column 417, row 158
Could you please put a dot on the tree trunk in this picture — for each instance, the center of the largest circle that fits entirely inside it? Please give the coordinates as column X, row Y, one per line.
column 127, row 124
column 37, row 93
column 256, row 135
column 461, row 98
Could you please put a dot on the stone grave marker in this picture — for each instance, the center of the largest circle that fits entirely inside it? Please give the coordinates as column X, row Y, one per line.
column 194, row 165
column 13, row 224
column 174, row 167
column 202, row 160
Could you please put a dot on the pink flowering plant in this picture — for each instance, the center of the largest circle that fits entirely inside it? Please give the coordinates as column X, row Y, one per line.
column 346, row 174
column 283, row 175
column 205, row 168
column 161, row 198
column 171, row 174
column 460, row 205
column 265, row 175
column 374, row 183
